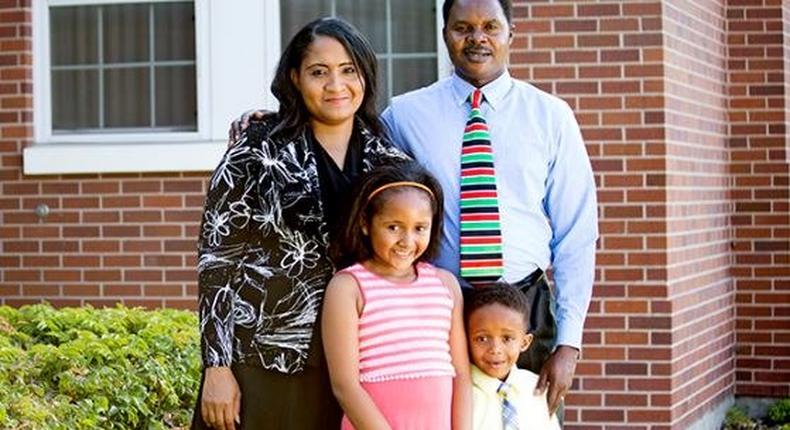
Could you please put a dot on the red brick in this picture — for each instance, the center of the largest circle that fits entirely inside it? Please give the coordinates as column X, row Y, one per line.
column 135, row 187
column 195, row 186
column 144, row 246
column 62, row 275
column 551, row 11
column 602, row 415
column 120, row 202
column 626, row 338
column 40, row 290
column 162, row 201
column 162, row 290
column 122, row 290
column 162, row 231
column 142, row 275
column 102, row 275
column 142, row 216
column 84, row 290
column 121, row 261
column 101, row 246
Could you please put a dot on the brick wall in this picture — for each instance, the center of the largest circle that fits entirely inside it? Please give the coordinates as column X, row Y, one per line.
column 108, row 238
column 759, row 70
column 697, row 185
column 650, row 85
column 606, row 60
column 684, row 108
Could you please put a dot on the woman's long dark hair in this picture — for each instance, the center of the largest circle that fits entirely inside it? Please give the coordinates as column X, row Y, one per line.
column 293, row 114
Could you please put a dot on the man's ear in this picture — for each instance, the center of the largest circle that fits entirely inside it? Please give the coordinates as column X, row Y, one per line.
column 510, row 35
column 526, row 341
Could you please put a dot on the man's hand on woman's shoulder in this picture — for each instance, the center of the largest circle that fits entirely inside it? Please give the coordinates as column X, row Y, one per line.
column 239, row 125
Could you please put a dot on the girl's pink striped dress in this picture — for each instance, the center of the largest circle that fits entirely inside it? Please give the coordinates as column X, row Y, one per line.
column 404, row 349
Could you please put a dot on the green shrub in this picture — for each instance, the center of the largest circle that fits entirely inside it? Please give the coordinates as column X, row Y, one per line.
column 779, row 412
column 737, row 419
column 85, row 368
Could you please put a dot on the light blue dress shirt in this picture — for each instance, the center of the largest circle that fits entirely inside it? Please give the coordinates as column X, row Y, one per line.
column 545, row 183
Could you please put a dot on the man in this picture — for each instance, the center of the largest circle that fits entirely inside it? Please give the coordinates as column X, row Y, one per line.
column 546, row 190
column 545, row 186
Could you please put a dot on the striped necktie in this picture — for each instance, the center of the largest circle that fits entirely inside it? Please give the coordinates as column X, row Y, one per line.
column 509, row 413
column 481, row 237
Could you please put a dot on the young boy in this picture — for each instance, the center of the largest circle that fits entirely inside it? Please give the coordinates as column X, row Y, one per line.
column 502, row 394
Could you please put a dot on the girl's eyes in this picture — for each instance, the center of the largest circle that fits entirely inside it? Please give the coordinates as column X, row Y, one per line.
column 481, row 339
column 350, row 70
column 317, row 72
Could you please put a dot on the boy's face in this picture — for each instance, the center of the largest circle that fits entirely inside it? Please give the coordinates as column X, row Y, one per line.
column 497, row 335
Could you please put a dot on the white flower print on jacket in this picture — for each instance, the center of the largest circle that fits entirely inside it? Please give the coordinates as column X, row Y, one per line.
column 263, row 263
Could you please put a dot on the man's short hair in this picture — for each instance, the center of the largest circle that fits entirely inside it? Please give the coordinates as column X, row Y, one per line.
column 507, row 8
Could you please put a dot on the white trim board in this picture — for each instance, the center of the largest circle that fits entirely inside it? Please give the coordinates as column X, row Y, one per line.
column 73, row 158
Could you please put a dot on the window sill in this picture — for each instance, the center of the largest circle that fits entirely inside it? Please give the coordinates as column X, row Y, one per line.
column 73, row 158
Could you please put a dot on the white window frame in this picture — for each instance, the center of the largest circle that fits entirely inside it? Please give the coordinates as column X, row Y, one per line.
column 230, row 80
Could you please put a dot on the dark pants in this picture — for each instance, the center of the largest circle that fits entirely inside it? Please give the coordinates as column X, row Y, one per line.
column 541, row 322
column 273, row 400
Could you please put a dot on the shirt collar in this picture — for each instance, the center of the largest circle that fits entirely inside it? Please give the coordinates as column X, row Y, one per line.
column 493, row 91
column 490, row 385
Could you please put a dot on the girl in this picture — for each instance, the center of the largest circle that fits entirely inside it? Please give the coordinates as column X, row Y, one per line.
column 392, row 324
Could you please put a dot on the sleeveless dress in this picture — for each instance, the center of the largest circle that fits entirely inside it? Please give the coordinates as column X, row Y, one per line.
column 404, row 349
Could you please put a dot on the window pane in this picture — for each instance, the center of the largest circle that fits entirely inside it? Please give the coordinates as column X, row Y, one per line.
column 294, row 14
column 127, row 99
column 383, row 92
column 174, row 31
column 126, row 33
column 176, row 104
column 96, row 84
column 369, row 17
column 414, row 26
column 75, row 99
column 408, row 74
column 73, row 35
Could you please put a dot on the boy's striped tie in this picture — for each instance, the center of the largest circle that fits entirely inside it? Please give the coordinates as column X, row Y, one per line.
column 509, row 413
column 481, row 237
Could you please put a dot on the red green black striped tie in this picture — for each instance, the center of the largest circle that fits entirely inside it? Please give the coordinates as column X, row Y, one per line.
column 481, row 236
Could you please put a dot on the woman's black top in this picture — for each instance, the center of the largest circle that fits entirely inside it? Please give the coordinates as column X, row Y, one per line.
column 336, row 183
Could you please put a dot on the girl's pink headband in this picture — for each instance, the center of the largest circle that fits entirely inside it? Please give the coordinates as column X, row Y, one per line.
column 401, row 184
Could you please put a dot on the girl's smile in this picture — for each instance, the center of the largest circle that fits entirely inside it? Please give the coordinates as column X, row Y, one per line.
column 400, row 232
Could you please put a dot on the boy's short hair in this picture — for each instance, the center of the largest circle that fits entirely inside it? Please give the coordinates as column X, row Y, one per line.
column 498, row 293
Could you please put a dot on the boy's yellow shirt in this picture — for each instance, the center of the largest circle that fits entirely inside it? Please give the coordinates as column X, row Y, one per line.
column 533, row 412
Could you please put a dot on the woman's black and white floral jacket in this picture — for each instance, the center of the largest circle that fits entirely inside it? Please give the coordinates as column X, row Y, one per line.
column 263, row 263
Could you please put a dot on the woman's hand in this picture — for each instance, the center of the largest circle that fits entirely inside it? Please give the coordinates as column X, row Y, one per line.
column 220, row 403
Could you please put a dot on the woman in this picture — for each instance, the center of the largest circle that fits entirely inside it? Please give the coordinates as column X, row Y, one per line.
column 271, row 210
